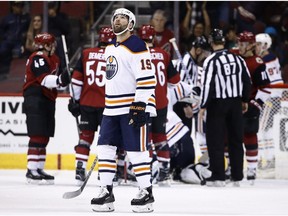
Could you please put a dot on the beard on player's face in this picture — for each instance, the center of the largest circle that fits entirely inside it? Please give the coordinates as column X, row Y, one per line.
column 119, row 28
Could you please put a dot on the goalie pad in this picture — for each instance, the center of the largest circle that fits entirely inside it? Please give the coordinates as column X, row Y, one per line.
column 195, row 173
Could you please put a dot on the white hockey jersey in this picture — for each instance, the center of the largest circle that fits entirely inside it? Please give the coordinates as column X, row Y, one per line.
column 175, row 129
column 129, row 77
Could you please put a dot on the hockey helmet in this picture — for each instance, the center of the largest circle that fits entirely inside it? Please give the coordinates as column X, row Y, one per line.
column 128, row 14
column 265, row 40
column 44, row 38
column 146, row 32
column 246, row 37
column 216, row 36
column 201, row 42
column 106, row 35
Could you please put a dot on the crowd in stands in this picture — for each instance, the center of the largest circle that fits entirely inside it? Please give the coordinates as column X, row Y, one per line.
column 196, row 19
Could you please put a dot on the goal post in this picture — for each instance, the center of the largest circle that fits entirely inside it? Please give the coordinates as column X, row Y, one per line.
column 273, row 134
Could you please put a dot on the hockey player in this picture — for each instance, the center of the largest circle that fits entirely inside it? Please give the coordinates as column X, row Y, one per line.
column 272, row 100
column 88, row 83
column 190, row 71
column 166, row 76
column 129, row 100
column 42, row 78
column 259, row 79
column 182, row 151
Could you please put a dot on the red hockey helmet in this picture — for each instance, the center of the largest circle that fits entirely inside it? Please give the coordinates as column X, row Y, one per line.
column 44, row 38
column 106, row 35
column 246, row 37
column 146, row 32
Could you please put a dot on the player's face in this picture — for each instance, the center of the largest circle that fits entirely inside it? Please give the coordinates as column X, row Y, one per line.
column 120, row 23
column 244, row 47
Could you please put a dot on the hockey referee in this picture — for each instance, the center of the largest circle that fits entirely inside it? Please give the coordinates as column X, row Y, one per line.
column 225, row 92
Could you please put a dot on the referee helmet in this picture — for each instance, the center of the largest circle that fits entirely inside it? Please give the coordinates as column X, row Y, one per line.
column 216, row 36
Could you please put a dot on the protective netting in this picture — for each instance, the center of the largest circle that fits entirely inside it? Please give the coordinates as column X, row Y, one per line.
column 273, row 133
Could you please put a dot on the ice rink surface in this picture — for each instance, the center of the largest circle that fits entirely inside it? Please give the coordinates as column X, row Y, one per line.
column 266, row 197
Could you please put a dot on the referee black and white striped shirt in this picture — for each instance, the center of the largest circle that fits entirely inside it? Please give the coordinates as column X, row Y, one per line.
column 225, row 75
column 188, row 69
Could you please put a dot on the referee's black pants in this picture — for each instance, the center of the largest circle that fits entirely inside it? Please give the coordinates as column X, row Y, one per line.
column 225, row 118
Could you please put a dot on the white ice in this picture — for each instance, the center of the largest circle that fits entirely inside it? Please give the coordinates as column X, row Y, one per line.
column 266, row 197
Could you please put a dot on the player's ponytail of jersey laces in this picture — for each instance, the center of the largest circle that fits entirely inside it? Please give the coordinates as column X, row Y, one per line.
column 131, row 18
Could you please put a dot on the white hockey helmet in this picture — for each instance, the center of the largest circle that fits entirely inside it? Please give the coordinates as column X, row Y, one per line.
column 265, row 41
column 129, row 14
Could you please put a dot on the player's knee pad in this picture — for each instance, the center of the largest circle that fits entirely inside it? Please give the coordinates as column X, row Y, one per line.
column 250, row 139
column 83, row 149
column 87, row 136
column 139, row 157
column 162, row 150
column 106, row 152
column 38, row 142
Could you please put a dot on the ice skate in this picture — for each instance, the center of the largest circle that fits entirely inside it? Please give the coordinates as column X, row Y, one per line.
column 144, row 201
column 80, row 173
column 210, row 182
column 236, row 183
column 48, row 179
column 33, row 177
column 164, row 177
column 251, row 175
column 104, row 201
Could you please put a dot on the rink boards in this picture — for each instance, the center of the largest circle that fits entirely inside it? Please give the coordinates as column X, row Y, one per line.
column 14, row 139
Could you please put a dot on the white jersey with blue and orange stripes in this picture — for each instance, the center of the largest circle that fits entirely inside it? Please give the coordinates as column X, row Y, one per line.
column 175, row 129
column 129, row 77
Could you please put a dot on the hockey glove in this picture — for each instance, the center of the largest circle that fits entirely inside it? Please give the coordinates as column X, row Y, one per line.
column 254, row 109
column 74, row 107
column 64, row 79
column 137, row 115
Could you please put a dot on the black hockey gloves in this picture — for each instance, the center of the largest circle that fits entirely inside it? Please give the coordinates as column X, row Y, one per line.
column 63, row 79
column 74, row 107
column 254, row 109
column 137, row 115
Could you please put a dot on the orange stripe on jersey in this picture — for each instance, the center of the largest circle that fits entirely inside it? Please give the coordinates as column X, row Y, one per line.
column 144, row 51
column 173, row 131
column 141, row 169
column 108, row 101
column 179, row 92
column 152, row 100
column 146, row 83
column 142, row 137
column 107, row 165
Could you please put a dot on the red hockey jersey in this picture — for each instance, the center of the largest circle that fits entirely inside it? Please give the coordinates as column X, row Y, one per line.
column 165, row 73
column 37, row 67
column 88, row 78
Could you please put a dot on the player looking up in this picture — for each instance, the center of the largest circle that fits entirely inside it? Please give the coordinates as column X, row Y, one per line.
column 129, row 101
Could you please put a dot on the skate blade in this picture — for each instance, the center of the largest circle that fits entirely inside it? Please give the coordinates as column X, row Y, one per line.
column 107, row 207
column 143, row 208
column 33, row 181
column 79, row 183
column 251, row 182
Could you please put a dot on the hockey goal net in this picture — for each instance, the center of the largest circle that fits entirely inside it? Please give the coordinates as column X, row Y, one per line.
column 273, row 135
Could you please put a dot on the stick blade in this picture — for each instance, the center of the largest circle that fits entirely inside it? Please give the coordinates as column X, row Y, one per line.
column 72, row 194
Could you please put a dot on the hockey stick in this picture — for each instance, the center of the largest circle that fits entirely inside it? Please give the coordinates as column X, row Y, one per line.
column 72, row 194
column 68, row 69
column 173, row 42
